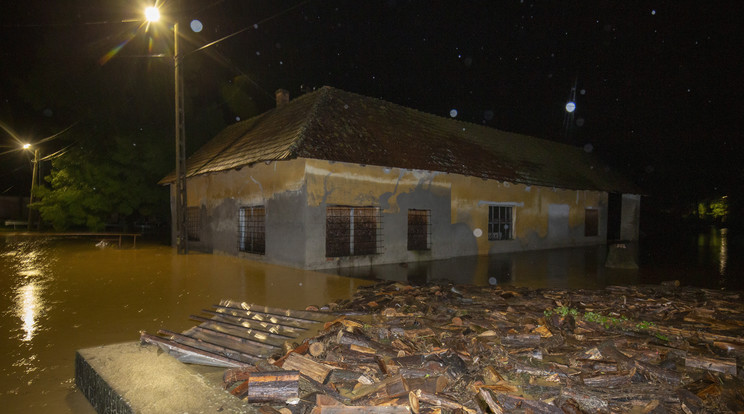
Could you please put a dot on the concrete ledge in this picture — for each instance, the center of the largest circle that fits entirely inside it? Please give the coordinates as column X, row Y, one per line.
column 133, row 378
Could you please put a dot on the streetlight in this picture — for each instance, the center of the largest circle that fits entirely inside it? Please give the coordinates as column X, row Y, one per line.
column 152, row 14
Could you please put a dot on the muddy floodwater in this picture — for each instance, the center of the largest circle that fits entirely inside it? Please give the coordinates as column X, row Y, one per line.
column 58, row 295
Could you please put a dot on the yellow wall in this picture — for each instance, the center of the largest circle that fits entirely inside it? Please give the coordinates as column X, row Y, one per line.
column 248, row 185
column 336, row 183
column 470, row 196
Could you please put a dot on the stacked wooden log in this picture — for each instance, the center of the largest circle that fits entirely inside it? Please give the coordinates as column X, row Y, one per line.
column 397, row 348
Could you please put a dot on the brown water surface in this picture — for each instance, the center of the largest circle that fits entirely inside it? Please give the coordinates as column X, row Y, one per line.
column 60, row 295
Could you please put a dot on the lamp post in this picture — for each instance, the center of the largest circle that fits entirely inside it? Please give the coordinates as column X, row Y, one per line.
column 33, row 183
column 182, row 241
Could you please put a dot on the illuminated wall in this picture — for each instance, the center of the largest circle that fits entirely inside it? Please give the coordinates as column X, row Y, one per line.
column 297, row 193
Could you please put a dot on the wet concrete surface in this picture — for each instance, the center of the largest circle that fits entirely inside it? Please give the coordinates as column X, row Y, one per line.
column 61, row 295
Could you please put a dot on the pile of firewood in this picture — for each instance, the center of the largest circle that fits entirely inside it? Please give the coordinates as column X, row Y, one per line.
column 396, row 348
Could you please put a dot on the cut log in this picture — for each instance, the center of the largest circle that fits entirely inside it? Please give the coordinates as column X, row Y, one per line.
column 361, row 409
column 396, row 387
column 727, row 365
column 494, row 405
column 413, row 402
column 431, row 384
column 316, row 349
column 441, row 401
column 274, row 386
column 307, row 366
column 233, row 375
column 609, row 380
column 521, row 340
column 657, row 373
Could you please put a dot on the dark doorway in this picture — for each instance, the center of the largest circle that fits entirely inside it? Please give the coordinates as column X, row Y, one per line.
column 614, row 215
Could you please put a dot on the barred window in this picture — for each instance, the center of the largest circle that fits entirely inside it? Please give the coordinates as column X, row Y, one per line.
column 353, row 231
column 419, row 229
column 591, row 222
column 252, row 229
column 193, row 223
column 500, row 226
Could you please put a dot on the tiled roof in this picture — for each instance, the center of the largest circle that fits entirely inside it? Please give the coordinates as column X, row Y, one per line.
column 334, row 125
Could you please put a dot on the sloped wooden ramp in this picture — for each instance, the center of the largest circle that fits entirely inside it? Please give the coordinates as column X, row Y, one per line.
column 237, row 334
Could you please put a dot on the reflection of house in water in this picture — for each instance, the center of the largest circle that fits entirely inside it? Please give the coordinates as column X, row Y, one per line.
column 338, row 179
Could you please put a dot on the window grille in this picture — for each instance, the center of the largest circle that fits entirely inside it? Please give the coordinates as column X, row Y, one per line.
column 591, row 222
column 419, row 229
column 252, row 229
column 353, row 231
column 193, row 223
column 500, row 226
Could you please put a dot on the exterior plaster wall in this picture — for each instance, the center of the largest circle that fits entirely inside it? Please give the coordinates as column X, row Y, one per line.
column 278, row 186
column 394, row 191
column 544, row 217
column 296, row 194
column 459, row 212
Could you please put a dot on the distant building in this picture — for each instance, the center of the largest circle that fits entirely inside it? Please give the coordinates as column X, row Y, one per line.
column 334, row 178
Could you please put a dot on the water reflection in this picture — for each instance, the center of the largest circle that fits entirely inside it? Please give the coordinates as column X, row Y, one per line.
column 32, row 266
column 29, row 304
column 581, row 267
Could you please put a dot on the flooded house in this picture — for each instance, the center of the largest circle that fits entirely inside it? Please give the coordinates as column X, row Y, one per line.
column 336, row 179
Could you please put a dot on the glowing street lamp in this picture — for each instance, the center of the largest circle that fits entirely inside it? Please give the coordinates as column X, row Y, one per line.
column 152, row 14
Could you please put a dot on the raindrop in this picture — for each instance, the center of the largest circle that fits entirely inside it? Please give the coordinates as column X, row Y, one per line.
column 580, row 122
column 588, row 147
column 258, row 53
column 492, row 281
column 653, row 12
column 583, row 91
column 488, row 115
column 237, row 118
column 570, row 107
column 196, row 26
column 48, row 112
column 255, row 26
column 453, row 113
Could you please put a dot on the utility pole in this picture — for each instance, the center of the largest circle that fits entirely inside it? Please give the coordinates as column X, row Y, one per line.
column 182, row 238
column 33, row 185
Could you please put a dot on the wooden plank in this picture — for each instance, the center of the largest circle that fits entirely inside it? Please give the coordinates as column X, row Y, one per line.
column 191, row 354
column 232, row 342
column 307, row 316
column 210, row 347
column 237, row 330
column 269, row 320
column 307, row 366
column 268, row 328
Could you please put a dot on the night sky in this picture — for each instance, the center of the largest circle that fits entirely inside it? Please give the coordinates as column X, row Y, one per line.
column 657, row 84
